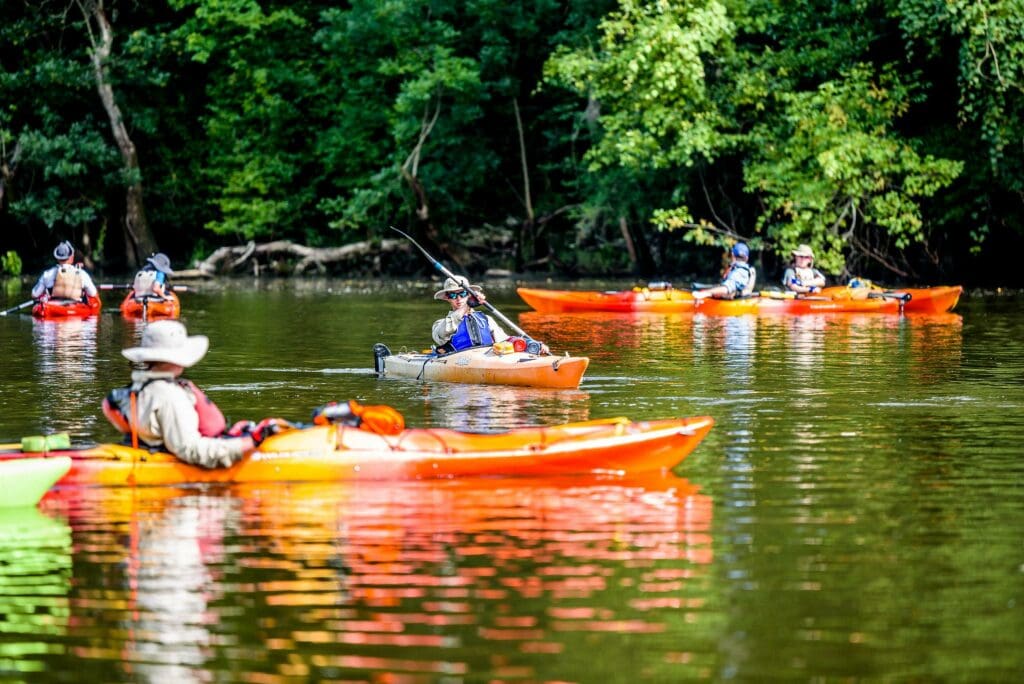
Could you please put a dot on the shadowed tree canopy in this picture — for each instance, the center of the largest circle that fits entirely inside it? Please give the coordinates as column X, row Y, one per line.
column 570, row 137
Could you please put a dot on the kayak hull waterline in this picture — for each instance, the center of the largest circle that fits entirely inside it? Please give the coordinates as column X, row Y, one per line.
column 150, row 308
column 485, row 366
column 615, row 447
column 67, row 308
column 831, row 300
column 24, row 481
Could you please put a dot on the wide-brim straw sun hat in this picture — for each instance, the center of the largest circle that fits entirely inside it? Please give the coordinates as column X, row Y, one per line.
column 452, row 285
column 803, row 250
column 168, row 341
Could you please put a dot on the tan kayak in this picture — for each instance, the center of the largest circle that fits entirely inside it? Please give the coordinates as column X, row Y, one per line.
column 485, row 366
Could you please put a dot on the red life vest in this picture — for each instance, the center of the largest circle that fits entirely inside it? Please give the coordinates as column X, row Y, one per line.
column 120, row 408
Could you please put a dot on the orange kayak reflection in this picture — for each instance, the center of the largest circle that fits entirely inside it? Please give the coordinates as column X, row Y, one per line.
column 407, row 579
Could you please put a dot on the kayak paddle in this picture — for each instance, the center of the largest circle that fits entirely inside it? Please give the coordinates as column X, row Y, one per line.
column 18, row 308
column 530, row 342
column 113, row 286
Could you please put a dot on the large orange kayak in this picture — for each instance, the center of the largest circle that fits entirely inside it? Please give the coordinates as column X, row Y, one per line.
column 67, row 308
column 486, row 366
column 615, row 447
column 831, row 300
column 148, row 307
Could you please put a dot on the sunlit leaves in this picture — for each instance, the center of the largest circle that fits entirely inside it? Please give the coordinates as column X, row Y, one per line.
column 837, row 164
column 647, row 75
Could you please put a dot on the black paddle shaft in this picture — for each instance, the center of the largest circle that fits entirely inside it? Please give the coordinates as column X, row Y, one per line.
column 440, row 267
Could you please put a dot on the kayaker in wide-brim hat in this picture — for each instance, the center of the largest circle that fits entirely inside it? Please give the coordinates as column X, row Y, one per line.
column 151, row 280
column 464, row 327
column 452, row 286
column 162, row 410
column 801, row 277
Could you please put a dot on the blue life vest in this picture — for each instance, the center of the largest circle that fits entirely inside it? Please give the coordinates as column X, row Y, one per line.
column 473, row 331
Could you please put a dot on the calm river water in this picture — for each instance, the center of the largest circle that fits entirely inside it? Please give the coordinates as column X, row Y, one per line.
column 855, row 514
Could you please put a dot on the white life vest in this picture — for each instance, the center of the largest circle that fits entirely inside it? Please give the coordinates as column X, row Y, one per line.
column 143, row 284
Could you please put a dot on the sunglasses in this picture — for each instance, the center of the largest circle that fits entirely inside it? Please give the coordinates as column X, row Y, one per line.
column 456, row 295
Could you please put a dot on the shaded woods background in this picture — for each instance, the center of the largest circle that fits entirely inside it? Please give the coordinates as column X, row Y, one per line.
column 574, row 137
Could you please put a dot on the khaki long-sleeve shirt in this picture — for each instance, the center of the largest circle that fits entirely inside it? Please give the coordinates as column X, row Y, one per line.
column 167, row 416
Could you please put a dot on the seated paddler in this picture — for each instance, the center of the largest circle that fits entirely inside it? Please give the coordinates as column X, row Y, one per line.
column 161, row 410
column 464, row 326
column 66, row 280
column 151, row 280
column 737, row 281
column 801, row 276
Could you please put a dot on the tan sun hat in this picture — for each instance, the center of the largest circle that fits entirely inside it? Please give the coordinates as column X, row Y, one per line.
column 452, row 285
column 803, row 250
column 168, row 341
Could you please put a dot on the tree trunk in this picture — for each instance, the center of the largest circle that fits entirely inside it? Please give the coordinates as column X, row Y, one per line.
column 139, row 240
column 7, row 169
column 526, row 229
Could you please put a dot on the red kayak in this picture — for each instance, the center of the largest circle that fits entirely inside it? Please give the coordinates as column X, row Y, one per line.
column 150, row 307
column 67, row 308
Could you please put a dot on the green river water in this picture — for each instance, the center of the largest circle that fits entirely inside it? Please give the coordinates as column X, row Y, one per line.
column 856, row 514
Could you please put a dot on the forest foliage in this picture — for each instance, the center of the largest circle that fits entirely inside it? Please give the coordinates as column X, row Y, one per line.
column 582, row 136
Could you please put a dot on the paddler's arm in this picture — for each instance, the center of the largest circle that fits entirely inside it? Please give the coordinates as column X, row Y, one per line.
column 445, row 327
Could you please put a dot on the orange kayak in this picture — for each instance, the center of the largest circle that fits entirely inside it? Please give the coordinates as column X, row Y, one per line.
column 67, row 308
column 486, row 366
column 640, row 300
column 615, row 447
column 830, row 300
column 932, row 300
column 151, row 307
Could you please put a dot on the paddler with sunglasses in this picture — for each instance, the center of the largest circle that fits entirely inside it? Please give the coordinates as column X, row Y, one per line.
column 465, row 327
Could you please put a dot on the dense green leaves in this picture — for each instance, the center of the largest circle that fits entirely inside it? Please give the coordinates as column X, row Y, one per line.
column 885, row 133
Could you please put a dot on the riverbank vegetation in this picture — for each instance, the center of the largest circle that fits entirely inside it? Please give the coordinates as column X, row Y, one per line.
column 572, row 137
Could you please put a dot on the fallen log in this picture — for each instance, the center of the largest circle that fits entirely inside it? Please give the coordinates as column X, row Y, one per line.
column 287, row 258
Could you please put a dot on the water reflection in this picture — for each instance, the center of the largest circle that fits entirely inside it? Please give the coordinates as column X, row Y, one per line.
column 65, row 362
column 605, row 337
column 35, row 577
column 478, row 579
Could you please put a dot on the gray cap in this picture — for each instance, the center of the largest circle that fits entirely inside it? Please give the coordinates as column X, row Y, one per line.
column 64, row 250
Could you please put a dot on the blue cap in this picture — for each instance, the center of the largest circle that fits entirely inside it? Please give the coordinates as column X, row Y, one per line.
column 740, row 249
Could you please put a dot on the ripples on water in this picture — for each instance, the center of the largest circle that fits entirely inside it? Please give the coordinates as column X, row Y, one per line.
column 855, row 513
column 494, row 579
